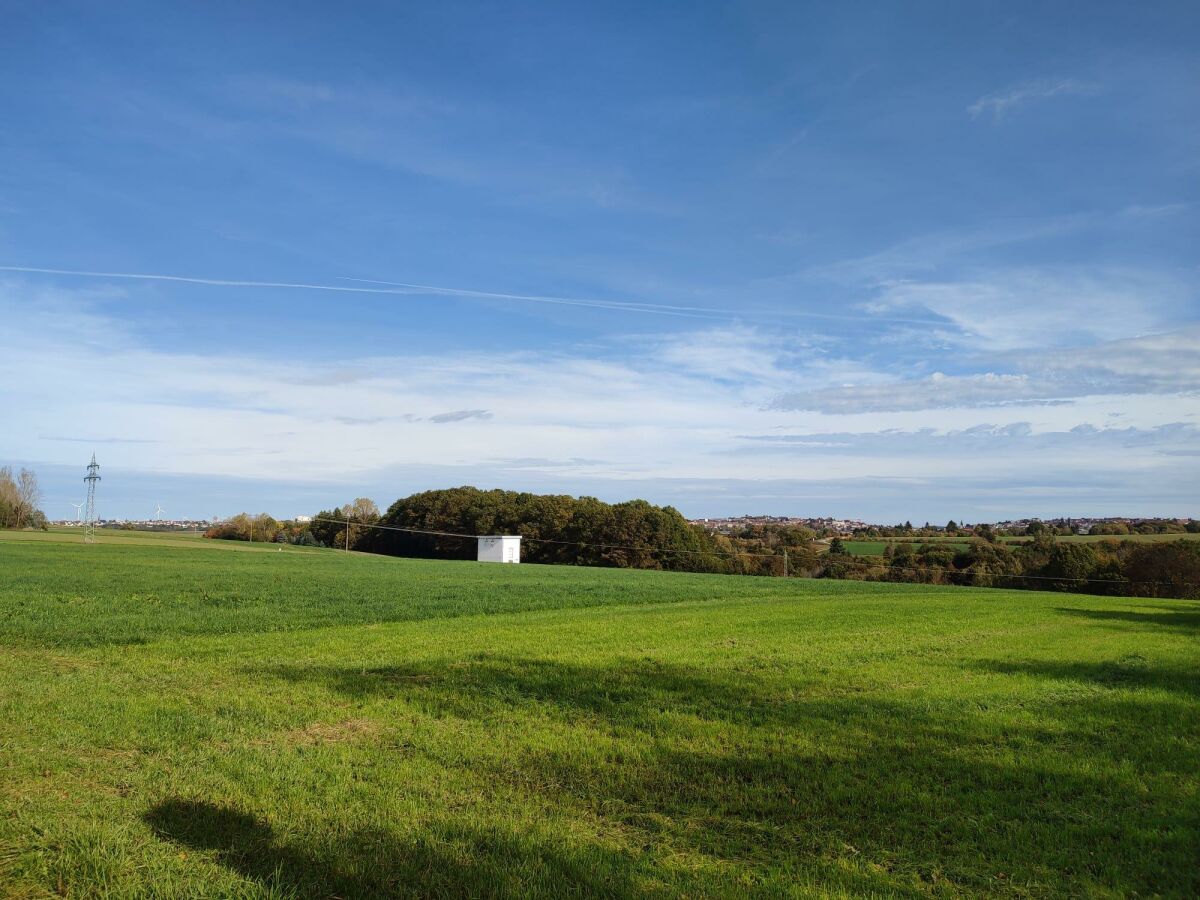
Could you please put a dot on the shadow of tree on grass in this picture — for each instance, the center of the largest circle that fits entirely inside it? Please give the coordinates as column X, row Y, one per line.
column 1130, row 671
column 747, row 769
column 451, row 862
column 1184, row 615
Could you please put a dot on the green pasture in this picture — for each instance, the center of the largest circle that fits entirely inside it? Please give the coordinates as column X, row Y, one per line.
column 265, row 724
column 116, row 536
column 865, row 548
column 879, row 547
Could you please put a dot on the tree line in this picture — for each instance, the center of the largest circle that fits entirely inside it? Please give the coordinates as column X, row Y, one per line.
column 565, row 530
column 1061, row 527
column 20, row 497
column 262, row 528
column 556, row 529
column 1169, row 568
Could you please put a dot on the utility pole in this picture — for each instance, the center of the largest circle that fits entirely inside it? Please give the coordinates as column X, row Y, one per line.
column 89, row 517
column 347, row 534
column 785, row 563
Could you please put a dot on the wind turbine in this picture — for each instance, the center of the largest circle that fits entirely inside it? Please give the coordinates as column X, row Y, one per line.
column 158, row 510
column 78, row 511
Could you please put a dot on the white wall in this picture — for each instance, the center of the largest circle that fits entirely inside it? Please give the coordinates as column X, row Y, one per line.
column 501, row 549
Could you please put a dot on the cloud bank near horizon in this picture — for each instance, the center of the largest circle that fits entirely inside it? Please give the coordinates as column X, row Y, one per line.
column 725, row 406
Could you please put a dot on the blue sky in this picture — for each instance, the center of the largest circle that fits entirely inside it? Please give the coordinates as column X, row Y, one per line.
column 894, row 261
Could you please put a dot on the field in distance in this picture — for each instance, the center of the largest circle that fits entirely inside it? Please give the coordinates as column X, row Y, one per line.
column 60, row 534
column 877, row 546
column 313, row 724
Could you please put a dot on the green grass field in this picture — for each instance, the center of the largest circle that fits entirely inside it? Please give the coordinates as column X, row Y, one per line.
column 865, row 548
column 248, row 723
column 178, row 539
column 878, row 547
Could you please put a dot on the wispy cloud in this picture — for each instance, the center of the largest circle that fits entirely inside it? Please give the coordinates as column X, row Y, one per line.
column 1161, row 364
column 1000, row 287
column 930, row 251
column 1003, row 102
column 1012, row 439
column 937, row 391
column 399, row 124
column 667, row 413
column 1015, row 308
column 537, row 463
column 96, row 440
column 460, row 415
column 272, row 88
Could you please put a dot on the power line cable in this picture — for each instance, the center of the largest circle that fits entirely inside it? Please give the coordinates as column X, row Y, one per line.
column 859, row 561
column 552, row 541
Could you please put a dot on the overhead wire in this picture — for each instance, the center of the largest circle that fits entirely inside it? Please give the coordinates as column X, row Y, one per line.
column 858, row 560
column 549, row 540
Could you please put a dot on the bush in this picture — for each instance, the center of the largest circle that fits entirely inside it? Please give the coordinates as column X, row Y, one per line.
column 1167, row 569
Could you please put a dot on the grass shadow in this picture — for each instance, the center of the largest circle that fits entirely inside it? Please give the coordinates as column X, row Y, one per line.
column 451, row 861
column 744, row 767
column 1130, row 671
column 633, row 694
column 1185, row 616
column 445, row 860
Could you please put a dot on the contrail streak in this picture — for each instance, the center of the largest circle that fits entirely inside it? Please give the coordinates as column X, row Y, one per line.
column 400, row 288
column 537, row 298
column 396, row 288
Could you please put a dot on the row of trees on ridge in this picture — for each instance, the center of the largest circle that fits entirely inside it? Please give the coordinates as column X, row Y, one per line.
column 559, row 529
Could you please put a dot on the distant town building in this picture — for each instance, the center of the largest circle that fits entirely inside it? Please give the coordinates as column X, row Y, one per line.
column 303, row 520
column 732, row 524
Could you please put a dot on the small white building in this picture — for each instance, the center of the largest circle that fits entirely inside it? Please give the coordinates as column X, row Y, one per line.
column 501, row 548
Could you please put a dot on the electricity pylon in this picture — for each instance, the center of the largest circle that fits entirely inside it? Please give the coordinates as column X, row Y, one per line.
column 89, row 516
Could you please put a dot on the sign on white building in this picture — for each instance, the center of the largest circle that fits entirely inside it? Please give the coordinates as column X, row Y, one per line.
column 501, row 548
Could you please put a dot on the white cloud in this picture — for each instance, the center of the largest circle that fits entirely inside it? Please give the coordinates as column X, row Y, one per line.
column 236, row 415
column 1003, row 102
column 1015, row 309
column 674, row 408
column 743, row 353
column 981, row 306
column 1160, row 364
column 994, row 440
column 938, row 391
column 459, row 415
column 1153, row 363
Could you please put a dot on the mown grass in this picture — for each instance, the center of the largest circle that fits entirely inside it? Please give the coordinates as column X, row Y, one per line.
column 181, row 724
